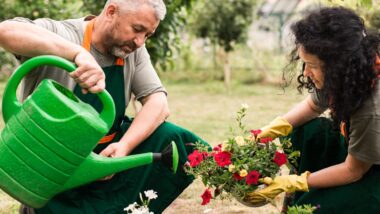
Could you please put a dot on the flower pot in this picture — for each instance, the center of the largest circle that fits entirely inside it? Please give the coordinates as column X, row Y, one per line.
column 248, row 203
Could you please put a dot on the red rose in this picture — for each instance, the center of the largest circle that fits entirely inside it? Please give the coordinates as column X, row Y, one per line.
column 279, row 158
column 195, row 158
column 266, row 139
column 252, row 177
column 222, row 158
column 256, row 132
column 206, row 196
column 236, row 176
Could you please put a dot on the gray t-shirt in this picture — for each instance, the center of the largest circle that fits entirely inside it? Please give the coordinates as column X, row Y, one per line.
column 364, row 136
column 140, row 78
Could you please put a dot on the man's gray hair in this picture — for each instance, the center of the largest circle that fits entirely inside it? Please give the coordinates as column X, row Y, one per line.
column 132, row 5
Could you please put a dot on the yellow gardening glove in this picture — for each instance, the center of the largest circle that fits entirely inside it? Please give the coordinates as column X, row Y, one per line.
column 279, row 127
column 284, row 183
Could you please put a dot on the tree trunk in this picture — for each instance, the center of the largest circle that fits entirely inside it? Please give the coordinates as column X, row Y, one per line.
column 227, row 70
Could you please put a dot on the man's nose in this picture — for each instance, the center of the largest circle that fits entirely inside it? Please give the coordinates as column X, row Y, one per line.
column 139, row 40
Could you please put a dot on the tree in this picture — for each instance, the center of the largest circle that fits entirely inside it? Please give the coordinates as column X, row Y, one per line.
column 224, row 23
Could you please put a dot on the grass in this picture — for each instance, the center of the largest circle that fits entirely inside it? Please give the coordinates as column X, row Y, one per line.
column 208, row 110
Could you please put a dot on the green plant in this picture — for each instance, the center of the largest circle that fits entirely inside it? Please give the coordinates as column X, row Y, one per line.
column 302, row 209
column 236, row 165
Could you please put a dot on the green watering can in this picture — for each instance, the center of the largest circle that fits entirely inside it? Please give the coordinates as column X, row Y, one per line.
column 46, row 145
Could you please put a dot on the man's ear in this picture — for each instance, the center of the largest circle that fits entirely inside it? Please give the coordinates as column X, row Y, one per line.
column 111, row 11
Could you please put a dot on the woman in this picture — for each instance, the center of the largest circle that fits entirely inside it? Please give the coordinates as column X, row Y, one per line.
column 340, row 171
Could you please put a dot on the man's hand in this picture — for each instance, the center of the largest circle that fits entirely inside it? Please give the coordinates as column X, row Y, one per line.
column 89, row 75
column 114, row 150
column 284, row 183
column 279, row 127
column 117, row 149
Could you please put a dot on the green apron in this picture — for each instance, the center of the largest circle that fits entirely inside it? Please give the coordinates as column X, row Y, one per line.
column 321, row 147
column 113, row 195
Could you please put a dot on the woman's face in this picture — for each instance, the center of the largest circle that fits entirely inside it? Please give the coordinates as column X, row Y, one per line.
column 313, row 67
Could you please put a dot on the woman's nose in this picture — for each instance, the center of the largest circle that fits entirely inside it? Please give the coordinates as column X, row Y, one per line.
column 306, row 71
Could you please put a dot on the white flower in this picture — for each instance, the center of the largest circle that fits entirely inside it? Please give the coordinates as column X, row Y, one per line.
column 150, row 194
column 131, row 207
column 240, row 140
column 225, row 147
column 231, row 167
column 244, row 106
column 142, row 210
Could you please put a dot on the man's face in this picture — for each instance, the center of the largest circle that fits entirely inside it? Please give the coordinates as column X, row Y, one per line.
column 313, row 67
column 130, row 30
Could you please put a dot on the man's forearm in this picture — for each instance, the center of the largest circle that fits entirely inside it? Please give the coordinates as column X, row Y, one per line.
column 31, row 40
column 153, row 114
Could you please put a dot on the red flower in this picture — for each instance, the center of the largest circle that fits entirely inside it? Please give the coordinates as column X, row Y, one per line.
column 205, row 154
column 206, row 196
column 218, row 148
column 195, row 158
column 222, row 158
column 266, row 139
column 279, row 158
column 252, row 177
column 256, row 132
column 236, row 176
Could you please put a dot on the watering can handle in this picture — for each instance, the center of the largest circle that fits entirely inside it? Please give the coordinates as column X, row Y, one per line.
column 11, row 105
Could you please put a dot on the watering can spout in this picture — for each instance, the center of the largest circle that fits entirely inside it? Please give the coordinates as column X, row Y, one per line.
column 96, row 166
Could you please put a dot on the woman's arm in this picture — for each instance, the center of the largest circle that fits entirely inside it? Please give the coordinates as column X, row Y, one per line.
column 303, row 112
column 349, row 171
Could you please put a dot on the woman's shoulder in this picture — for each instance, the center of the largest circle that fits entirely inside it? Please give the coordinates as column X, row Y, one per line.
column 371, row 107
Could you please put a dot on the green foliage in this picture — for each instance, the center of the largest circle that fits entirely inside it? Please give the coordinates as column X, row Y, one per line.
column 34, row 9
column 369, row 10
column 301, row 209
column 353, row 4
column 166, row 38
column 375, row 19
column 223, row 22
column 93, row 6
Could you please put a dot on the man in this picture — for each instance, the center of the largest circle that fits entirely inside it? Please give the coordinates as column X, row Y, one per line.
column 110, row 45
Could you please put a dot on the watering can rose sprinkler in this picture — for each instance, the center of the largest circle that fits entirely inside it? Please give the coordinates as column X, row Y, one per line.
column 46, row 145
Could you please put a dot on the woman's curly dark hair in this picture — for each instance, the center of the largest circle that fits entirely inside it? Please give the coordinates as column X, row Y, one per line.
column 338, row 37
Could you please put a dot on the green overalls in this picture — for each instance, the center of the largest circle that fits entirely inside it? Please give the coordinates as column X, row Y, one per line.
column 321, row 147
column 113, row 195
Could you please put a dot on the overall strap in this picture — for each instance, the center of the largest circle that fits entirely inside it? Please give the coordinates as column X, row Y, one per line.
column 113, row 74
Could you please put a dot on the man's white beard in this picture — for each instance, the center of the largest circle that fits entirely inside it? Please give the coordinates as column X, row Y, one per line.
column 118, row 52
